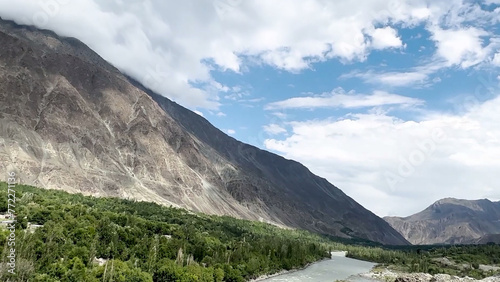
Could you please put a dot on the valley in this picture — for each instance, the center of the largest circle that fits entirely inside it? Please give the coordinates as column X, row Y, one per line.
column 232, row 141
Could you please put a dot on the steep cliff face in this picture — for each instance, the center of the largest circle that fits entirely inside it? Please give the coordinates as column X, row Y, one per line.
column 451, row 221
column 69, row 120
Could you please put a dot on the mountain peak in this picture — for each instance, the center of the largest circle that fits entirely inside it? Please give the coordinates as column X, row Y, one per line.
column 451, row 221
column 450, row 200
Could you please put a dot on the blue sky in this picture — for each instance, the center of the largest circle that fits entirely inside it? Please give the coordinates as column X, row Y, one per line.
column 259, row 85
column 395, row 102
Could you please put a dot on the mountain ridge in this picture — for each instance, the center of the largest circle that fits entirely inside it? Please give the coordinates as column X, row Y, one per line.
column 451, row 221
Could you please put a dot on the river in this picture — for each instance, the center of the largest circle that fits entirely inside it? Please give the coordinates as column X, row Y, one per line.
column 337, row 268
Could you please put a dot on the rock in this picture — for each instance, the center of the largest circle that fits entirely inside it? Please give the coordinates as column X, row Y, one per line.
column 390, row 276
column 413, row 277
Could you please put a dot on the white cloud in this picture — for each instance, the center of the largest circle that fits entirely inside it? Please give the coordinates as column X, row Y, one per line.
column 166, row 44
column 463, row 47
column 280, row 115
column 385, row 38
column 496, row 59
column 254, row 100
column 198, row 112
column 392, row 78
column 338, row 98
column 221, row 114
column 274, row 129
column 398, row 167
column 402, row 78
column 418, row 76
column 231, row 132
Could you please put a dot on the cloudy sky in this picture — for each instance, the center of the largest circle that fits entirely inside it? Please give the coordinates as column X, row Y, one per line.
column 395, row 102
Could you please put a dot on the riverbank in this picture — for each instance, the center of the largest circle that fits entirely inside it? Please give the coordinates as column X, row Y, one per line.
column 338, row 266
column 393, row 276
column 267, row 276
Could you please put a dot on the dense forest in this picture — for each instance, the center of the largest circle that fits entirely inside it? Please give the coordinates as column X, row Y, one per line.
column 71, row 237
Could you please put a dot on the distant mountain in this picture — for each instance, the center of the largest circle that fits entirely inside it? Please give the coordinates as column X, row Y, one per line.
column 489, row 238
column 71, row 121
column 451, row 221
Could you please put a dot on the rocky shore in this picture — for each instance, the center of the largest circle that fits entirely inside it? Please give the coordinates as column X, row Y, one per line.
column 391, row 276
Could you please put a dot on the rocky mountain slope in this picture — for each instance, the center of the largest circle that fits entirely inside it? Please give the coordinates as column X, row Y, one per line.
column 69, row 120
column 488, row 238
column 451, row 221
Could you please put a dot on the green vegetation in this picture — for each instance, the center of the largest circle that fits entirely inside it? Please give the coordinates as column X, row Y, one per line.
column 140, row 241
column 81, row 238
column 455, row 260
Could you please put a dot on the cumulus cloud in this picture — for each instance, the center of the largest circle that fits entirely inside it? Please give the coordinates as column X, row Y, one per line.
column 172, row 46
column 463, row 47
column 397, row 167
column 338, row 98
column 385, row 38
column 231, row 131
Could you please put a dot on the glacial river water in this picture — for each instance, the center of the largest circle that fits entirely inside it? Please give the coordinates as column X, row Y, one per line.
column 337, row 268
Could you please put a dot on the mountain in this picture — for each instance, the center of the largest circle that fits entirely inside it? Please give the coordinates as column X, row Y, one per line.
column 451, row 221
column 69, row 120
column 488, row 238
